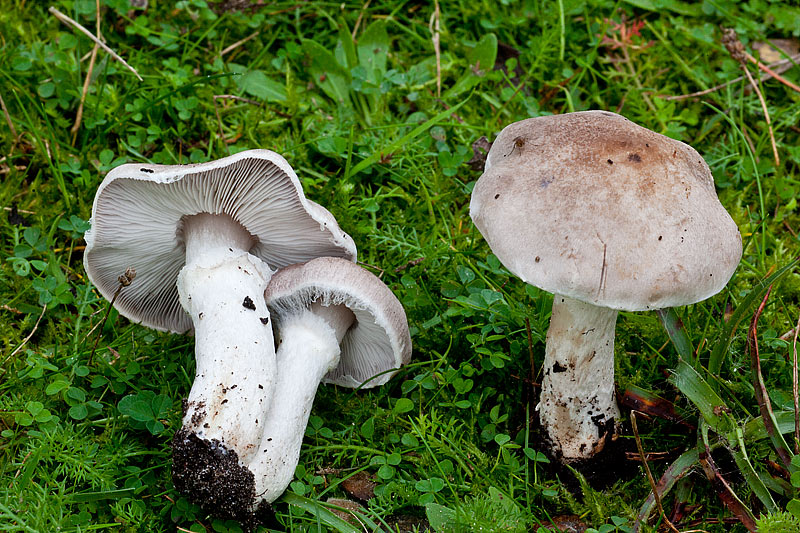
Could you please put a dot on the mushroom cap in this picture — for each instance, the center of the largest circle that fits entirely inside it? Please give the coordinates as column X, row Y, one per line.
column 376, row 343
column 137, row 219
column 592, row 206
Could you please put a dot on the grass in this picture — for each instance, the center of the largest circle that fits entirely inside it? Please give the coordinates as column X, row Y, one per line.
column 452, row 442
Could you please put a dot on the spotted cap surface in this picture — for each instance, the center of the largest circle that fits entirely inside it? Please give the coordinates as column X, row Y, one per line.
column 592, row 206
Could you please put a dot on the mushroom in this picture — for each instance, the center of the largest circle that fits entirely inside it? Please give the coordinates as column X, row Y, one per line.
column 337, row 323
column 204, row 239
column 608, row 216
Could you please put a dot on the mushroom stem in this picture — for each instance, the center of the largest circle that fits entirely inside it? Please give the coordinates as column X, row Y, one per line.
column 577, row 407
column 222, row 288
column 308, row 350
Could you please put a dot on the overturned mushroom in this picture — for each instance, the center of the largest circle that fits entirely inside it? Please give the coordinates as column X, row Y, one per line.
column 607, row 216
column 337, row 323
column 204, row 240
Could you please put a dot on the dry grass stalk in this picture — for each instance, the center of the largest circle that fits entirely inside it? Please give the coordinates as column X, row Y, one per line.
column 649, row 474
column 238, row 43
column 736, row 49
column 433, row 26
column 65, row 19
column 360, row 17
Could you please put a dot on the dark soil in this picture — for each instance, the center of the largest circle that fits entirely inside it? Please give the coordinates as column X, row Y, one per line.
column 211, row 476
column 601, row 471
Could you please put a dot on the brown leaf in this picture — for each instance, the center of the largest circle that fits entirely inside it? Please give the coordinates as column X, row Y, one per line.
column 345, row 504
column 360, row 486
column 768, row 54
column 648, row 403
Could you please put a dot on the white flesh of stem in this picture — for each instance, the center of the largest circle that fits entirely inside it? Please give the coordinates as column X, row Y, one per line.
column 577, row 403
column 309, row 349
column 222, row 289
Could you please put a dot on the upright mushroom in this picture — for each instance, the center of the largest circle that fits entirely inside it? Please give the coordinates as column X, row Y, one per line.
column 607, row 216
column 336, row 323
column 204, row 240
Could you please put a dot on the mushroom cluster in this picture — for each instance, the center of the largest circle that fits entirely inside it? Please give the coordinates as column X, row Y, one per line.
column 205, row 241
column 608, row 216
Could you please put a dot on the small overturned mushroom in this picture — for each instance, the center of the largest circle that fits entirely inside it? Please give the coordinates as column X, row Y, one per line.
column 336, row 323
column 607, row 216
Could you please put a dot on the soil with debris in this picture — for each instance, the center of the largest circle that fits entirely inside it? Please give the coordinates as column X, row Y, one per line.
column 211, row 476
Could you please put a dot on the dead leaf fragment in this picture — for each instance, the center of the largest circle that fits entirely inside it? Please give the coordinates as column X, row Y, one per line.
column 349, row 505
column 767, row 51
column 360, row 486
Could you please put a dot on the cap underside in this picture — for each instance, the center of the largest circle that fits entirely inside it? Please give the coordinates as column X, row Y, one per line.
column 137, row 216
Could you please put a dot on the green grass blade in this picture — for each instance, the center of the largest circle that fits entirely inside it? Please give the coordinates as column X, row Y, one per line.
column 702, row 395
column 755, row 429
column 750, row 475
column 676, row 471
column 405, row 139
column 320, row 512
column 677, row 333
column 83, row 497
column 741, row 314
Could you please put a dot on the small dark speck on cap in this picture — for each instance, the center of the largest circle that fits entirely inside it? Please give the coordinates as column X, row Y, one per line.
column 264, row 320
column 147, row 170
column 248, row 304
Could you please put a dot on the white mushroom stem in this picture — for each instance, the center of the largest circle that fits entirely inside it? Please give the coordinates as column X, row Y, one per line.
column 309, row 349
column 577, row 407
column 222, row 289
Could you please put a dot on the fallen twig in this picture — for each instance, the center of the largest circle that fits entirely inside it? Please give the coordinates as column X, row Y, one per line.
column 770, row 74
column 64, row 18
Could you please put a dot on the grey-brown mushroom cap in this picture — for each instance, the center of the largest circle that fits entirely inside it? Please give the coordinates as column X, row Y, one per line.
column 138, row 212
column 591, row 206
column 376, row 345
